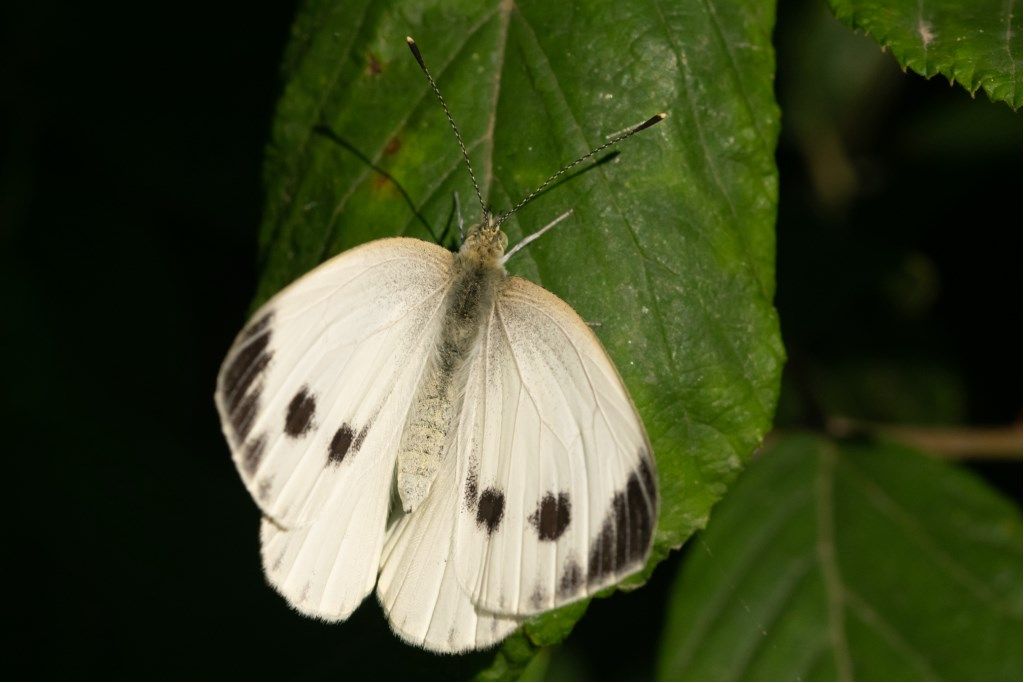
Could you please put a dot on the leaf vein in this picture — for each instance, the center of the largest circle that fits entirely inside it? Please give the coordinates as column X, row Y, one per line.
column 890, row 635
column 402, row 123
column 916, row 533
column 826, row 548
column 714, row 608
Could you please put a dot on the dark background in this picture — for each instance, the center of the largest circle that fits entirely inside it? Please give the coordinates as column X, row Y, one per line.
column 130, row 196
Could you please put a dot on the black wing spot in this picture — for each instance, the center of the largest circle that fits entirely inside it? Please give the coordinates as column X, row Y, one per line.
column 571, row 579
column 240, row 384
column 626, row 532
column 263, row 491
column 248, row 364
column 622, row 530
column 647, row 476
column 277, row 563
column 346, row 441
column 361, row 437
column 259, row 327
column 299, row 419
column 244, row 413
column 490, row 509
column 552, row 516
column 471, row 490
column 241, row 388
column 253, row 454
column 640, row 523
column 340, row 445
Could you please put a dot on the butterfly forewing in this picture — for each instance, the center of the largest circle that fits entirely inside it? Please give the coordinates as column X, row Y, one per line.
column 327, row 567
column 558, row 492
column 313, row 380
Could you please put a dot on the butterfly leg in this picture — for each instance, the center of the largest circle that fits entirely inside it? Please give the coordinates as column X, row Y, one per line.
column 456, row 212
column 458, row 217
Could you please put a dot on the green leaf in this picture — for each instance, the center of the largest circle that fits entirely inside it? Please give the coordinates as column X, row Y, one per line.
column 670, row 249
column 866, row 562
column 975, row 43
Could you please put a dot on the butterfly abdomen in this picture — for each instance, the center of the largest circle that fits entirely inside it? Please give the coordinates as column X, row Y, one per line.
column 438, row 397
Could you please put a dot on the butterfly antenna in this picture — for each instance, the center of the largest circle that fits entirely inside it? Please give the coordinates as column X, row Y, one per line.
column 629, row 132
column 455, row 129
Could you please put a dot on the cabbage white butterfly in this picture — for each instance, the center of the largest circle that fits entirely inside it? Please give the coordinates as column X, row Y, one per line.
column 422, row 422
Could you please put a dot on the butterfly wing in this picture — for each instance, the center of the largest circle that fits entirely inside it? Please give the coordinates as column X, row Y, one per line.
column 418, row 588
column 325, row 371
column 327, row 568
column 313, row 396
column 558, row 486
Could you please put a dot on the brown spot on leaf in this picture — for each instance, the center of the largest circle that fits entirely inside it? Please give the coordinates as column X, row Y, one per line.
column 392, row 146
column 373, row 65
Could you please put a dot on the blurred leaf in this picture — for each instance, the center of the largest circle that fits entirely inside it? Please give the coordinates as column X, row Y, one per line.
column 512, row 661
column 514, row 658
column 896, row 390
column 977, row 43
column 833, row 89
column 845, row 562
column 671, row 246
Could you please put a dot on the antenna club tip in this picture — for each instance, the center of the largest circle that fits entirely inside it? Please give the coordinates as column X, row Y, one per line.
column 415, row 52
column 657, row 118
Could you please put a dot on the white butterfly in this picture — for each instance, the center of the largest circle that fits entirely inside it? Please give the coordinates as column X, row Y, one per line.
column 421, row 421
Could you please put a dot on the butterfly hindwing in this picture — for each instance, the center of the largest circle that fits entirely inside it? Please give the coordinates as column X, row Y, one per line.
column 418, row 588
column 558, row 487
column 327, row 568
column 307, row 394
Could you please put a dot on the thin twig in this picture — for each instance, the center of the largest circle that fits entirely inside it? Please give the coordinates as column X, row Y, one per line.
column 954, row 443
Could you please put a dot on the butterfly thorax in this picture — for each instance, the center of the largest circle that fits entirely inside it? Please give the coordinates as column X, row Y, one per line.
column 485, row 242
column 476, row 275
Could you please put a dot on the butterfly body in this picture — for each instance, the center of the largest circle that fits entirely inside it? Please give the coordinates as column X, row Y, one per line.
column 477, row 274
